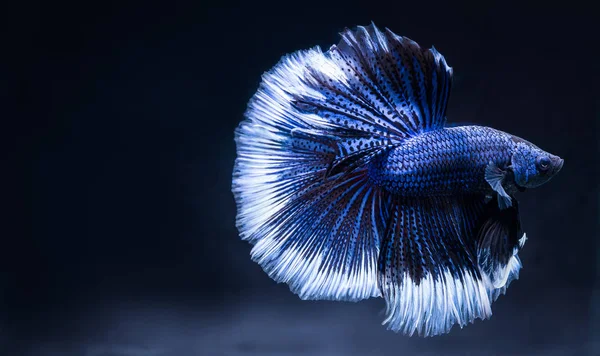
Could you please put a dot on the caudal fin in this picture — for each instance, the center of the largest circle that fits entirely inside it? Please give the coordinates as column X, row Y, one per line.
column 300, row 179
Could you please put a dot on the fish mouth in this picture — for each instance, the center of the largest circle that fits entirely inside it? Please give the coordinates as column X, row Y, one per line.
column 558, row 164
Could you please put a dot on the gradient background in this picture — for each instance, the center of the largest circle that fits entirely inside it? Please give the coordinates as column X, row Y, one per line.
column 122, row 240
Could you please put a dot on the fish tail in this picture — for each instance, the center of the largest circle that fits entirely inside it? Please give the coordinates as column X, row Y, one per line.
column 303, row 194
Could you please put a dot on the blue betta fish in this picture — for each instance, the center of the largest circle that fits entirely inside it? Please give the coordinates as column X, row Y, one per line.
column 350, row 186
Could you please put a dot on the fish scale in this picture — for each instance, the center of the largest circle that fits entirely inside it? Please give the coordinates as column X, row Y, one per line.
column 442, row 162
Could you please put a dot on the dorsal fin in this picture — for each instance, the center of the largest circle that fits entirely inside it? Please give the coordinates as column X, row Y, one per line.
column 410, row 84
column 376, row 82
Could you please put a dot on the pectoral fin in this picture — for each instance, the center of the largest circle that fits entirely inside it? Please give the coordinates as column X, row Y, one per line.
column 495, row 176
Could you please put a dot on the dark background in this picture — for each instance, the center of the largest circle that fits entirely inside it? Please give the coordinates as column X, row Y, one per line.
column 119, row 238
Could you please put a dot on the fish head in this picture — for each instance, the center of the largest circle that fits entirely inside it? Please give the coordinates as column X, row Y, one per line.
column 533, row 166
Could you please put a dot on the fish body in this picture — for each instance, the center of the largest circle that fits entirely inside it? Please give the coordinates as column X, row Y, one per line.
column 447, row 161
column 350, row 184
column 443, row 162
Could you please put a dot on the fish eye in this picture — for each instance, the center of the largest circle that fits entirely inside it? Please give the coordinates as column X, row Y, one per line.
column 543, row 163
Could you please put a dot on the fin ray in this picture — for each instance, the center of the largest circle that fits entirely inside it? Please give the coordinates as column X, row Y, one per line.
column 311, row 130
column 445, row 260
column 495, row 177
column 325, row 247
column 498, row 244
column 435, row 282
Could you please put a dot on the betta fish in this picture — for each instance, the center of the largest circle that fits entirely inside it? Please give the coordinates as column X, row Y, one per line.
column 350, row 185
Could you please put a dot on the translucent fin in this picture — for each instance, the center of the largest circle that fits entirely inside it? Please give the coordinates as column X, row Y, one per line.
column 315, row 123
column 409, row 85
column 376, row 82
column 498, row 242
column 317, row 120
column 301, row 188
column 513, row 268
column 443, row 261
column 429, row 275
column 495, row 176
column 324, row 243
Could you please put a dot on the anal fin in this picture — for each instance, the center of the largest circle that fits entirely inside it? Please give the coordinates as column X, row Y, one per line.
column 428, row 271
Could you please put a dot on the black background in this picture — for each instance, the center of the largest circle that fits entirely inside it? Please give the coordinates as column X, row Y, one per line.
column 120, row 236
